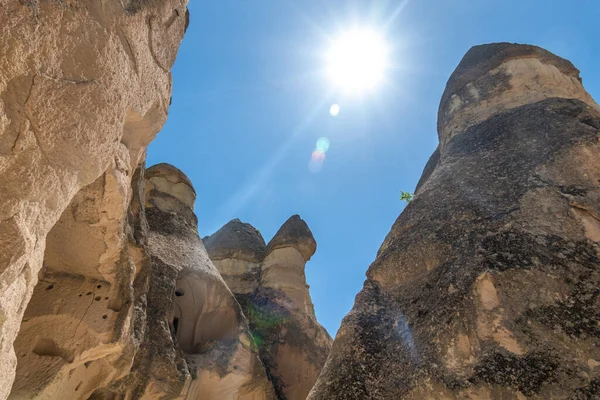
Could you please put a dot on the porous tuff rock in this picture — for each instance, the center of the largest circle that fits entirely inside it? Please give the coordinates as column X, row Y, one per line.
column 196, row 341
column 273, row 293
column 487, row 286
column 77, row 333
column 83, row 86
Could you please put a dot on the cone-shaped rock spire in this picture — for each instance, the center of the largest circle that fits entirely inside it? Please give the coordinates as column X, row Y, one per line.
column 236, row 239
column 294, row 233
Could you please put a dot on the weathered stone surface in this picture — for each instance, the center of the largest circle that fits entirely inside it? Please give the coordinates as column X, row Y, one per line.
column 196, row 342
column 236, row 240
column 273, row 293
column 294, row 233
column 488, row 284
column 77, row 332
column 501, row 76
column 83, row 86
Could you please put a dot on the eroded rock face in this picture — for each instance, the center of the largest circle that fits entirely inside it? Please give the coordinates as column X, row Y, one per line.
column 78, row 333
column 237, row 250
column 84, row 87
column 487, row 284
column 270, row 284
column 196, row 342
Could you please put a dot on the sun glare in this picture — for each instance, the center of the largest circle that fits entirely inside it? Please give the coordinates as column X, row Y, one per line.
column 357, row 60
column 334, row 110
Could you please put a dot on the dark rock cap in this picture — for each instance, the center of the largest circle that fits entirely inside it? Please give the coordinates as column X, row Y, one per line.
column 236, row 239
column 481, row 59
column 169, row 172
column 294, row 233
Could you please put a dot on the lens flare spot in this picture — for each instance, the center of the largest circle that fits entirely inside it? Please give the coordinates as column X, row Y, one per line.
column 334, row 110
column 323, row 144
column 318, row 155
column 316, row 161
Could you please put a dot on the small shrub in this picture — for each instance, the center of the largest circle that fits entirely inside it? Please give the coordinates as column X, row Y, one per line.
column 406, row 196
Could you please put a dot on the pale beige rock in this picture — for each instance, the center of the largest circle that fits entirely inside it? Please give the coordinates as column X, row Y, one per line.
column 70, row 342
column 78, row 81
column 241, row 276
column 283, row 270
column 79, row 315
column 275, row 297
column 196, row 341
column 238, row 383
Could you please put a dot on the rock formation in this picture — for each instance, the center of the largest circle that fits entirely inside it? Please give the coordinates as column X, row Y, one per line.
column 148, row 318
column 270, row 284
column 196, row 342
column 84, row 87
column 488, row 285
column 76, row 334
column 125, row 302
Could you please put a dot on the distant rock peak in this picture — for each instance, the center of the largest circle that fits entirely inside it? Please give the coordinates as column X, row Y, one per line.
column 294, row 233
column 236, row 239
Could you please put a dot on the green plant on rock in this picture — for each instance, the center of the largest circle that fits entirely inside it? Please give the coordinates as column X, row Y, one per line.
column 406, row 196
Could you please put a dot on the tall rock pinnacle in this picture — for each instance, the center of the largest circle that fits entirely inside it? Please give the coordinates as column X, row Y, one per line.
column 270, row 284
column 487, row 284
column 194, row 321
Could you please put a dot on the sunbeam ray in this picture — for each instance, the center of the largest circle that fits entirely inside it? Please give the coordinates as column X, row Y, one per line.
column 237, row 201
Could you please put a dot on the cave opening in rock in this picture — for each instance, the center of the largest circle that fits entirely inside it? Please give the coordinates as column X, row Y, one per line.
column 175, row 325
column 203, row 312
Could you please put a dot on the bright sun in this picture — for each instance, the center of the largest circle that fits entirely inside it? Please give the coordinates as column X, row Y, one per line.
column 357, row 60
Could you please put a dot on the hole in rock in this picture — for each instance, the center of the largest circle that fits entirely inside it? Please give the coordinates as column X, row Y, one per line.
column 46, row 347
column 71, row 263
column 205, row 315
column 103, row 394
column 175, row 325
column 104, row 316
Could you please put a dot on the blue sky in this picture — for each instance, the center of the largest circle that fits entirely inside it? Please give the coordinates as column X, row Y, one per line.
column 251, row 99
